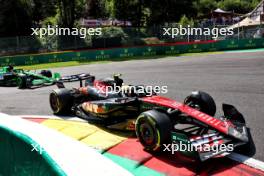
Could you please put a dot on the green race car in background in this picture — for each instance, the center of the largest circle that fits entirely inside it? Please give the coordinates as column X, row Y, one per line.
column 9, row 75
column 30, row 79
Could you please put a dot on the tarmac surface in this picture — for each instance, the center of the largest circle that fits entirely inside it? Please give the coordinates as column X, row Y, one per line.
column 233, row 78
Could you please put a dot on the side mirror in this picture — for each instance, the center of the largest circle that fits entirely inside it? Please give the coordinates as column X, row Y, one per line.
column 117, row 75
column 60, row 85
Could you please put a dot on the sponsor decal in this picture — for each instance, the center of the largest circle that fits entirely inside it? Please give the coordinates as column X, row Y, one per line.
column 31, row 60
column 102, row 55
column 149, row 52
column 250, row 44
column 232, row 44
column 55, row 59
column 172, row 50
column 126, row 53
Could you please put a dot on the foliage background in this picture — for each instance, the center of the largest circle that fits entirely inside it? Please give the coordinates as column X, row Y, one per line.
column 17, row 16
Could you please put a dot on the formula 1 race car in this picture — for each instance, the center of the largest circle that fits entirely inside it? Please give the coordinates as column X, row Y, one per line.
column 30, row 79
column 157, row 120
column 8, row 76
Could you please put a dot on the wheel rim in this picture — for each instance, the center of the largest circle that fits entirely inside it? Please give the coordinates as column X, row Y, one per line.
column 54, row 103
column 147, row 134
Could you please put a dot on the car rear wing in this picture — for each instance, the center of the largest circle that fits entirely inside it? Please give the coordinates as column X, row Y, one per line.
column 78, row 77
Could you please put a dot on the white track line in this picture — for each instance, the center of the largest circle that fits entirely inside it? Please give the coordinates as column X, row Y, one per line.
column 254, row 163
column 257, row 164
column 50, row 117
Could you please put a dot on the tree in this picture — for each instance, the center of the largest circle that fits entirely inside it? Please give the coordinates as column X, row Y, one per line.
column 18, row 16
column 122, row 9
column 97, row 9
column 15, row 18
column 169, row 10
column 238, row 6
column 204, row 7
column 43, row 9
column 67, row 13
column 184, row 21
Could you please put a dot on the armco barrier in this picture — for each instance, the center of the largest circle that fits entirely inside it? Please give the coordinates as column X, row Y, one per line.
column 117, row 53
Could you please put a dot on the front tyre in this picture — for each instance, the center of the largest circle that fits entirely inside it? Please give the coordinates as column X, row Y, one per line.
column 153, row 129
column 61, row 101
column 201, row 101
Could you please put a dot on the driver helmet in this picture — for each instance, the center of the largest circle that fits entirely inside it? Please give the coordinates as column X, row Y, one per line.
column 10, row 68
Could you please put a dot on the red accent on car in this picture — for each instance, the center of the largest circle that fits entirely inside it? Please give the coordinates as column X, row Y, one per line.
column 206, row 119
column 101, row 86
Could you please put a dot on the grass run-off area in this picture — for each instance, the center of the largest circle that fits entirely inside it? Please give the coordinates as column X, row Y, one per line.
column 77, row 63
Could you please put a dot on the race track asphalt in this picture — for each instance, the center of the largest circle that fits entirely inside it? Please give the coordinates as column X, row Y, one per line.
column 233, row 78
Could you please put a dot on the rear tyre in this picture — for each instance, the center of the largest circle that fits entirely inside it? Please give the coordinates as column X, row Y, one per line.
column 153, row 129
column 61, row 101
column 46, row 73
column 201, row 101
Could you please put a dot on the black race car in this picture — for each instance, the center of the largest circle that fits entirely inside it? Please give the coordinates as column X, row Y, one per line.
column 158, row 121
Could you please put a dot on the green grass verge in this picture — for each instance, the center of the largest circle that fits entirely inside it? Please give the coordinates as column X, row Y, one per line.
column 59, row 64
column 77, row 63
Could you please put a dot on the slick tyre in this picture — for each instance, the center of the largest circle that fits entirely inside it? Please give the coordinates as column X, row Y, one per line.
column 153, row 129
column 201, row 101
column 61, row 101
